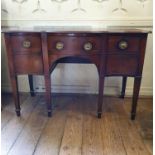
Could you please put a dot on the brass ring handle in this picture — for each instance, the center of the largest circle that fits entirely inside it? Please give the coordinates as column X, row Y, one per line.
column 59, row 45
column 123, row 45
column 26, row 44
column 88, row 46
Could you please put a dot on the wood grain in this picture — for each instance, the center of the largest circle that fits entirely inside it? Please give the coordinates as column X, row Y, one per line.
column 72, row 138
column 131, row 139
column 28, row 138
column 149, row 145
column 74, row 128
column 52, row 135
column 92, row 140
column 7, row 108
column 13, row 128
column 111, row 137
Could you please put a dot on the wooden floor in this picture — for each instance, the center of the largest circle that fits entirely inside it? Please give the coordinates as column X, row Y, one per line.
column 74, row 128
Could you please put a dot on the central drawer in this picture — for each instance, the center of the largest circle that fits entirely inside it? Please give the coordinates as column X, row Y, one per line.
column 74, row 45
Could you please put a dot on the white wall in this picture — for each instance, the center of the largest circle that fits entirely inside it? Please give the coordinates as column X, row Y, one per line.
column 96, row 13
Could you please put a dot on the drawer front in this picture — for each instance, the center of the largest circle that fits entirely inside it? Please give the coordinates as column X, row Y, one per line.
column 73, row 45
column 123, row 43
column 121, row 65
column 28, row 64
column 26, row 43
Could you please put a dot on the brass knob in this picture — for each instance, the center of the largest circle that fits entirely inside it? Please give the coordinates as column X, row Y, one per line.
column 88, row 46
column 123, row 45
column 26, row 44
column 59, row 45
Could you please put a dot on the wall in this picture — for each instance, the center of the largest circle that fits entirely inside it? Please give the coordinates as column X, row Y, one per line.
column 95, row 13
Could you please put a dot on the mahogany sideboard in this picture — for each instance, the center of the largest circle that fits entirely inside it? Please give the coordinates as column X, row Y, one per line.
column 114, row 52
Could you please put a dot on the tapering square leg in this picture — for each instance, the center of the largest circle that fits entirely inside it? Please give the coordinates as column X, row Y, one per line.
column 15, row 92
column 100, row 96
column 48, row 94
column 136, row 89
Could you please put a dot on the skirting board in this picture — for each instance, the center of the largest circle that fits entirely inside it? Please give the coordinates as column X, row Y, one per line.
column 108, row 90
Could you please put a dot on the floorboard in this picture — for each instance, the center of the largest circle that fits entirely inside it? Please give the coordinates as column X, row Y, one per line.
column 7, row 106
column 13, row 128
column 51, row 137
column 27, row 140
column 72, row 138
column 74, row 128
column 92, row 139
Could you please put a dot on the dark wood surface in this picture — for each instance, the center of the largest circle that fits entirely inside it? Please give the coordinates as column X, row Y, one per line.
column 113, row 52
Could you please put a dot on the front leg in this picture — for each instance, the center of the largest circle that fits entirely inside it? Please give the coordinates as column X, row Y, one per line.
column 48, row 94
column 46, row 73
column 15, row 92
column 13, row 76
column 100, row 96
column 137, row 83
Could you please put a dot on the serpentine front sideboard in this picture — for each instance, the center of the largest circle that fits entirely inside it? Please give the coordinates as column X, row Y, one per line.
column 37, row 51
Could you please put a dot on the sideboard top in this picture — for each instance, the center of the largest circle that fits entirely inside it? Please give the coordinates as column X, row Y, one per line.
column 72, row 29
